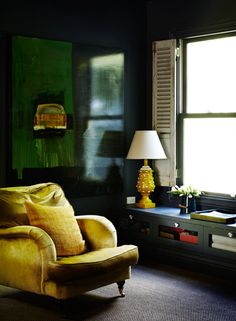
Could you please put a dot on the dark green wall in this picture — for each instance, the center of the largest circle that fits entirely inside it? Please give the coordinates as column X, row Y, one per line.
column 114, row 24
column 120, row 24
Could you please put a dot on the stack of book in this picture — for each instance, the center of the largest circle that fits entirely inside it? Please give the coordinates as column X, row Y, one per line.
column 179, row 234
column 214, row 216
column 170, row 232
column 189, row 237
column 223, row 243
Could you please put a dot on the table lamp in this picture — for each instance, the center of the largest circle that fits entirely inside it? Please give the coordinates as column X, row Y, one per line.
column 146, row 145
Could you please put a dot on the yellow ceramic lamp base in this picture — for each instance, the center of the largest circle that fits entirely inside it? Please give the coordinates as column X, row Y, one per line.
column 145, row 186
column 145, row 202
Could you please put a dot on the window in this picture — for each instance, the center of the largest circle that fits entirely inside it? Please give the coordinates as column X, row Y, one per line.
column 100, row 122
column 103, row 137
column 204, row 100
column 208, row 118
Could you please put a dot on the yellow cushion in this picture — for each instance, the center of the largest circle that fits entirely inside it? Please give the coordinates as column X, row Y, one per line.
column 60, row 223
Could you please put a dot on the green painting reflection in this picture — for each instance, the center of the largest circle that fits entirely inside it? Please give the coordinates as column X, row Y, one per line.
column 89, row 83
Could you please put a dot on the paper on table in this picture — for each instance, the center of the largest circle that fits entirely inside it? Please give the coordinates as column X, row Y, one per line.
column 223, row 247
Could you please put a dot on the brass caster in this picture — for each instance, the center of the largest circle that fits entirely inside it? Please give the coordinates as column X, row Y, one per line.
column 122, row 293
column 121, row 288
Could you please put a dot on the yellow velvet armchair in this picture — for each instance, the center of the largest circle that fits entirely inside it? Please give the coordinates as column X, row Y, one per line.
column 43, row 251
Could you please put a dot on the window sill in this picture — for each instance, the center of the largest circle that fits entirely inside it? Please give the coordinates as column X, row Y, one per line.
column 220, row 202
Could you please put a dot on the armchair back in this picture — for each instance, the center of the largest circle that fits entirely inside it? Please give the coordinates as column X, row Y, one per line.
column 12, row 199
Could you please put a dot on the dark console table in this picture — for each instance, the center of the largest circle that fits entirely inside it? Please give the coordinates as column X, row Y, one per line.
column 164, row 234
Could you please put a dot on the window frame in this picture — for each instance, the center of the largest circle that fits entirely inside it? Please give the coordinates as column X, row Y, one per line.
column 219, row 200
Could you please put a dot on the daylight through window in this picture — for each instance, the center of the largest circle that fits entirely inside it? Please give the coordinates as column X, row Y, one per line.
column 209, row 118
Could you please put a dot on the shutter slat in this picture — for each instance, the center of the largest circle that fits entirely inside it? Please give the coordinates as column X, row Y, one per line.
column 164, row 110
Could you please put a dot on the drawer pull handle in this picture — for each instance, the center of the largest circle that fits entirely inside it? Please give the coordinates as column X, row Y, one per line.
column 230, row 234
column 177, row 224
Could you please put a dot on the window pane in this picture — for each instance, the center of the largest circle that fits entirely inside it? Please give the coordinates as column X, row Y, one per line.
column 102, row 147
column 211, row 75
column 210, row 154
column 107, row 85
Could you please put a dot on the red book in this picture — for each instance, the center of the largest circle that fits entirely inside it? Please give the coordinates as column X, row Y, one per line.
column 189, row 238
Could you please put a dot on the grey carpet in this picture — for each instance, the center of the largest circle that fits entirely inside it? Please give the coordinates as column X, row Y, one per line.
column 155, row 292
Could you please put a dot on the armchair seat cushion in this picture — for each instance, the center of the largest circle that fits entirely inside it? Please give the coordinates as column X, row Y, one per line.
column 67, row 269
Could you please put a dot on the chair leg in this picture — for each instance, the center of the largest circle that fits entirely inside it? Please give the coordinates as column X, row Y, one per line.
column 121, row 288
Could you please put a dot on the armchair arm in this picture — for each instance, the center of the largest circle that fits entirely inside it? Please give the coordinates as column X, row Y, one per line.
column 24, row 255
column 98, row 231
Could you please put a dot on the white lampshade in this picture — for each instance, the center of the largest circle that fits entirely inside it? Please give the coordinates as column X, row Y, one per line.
column 146, row 145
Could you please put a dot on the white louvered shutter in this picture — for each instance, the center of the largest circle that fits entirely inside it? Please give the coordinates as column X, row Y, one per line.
column 164, row 107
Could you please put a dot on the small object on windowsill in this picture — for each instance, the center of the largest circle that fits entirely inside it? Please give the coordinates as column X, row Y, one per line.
column 214, row 216
column 187, row 194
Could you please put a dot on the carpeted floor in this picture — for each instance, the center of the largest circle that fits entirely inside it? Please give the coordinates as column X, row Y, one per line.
column 155, row 292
